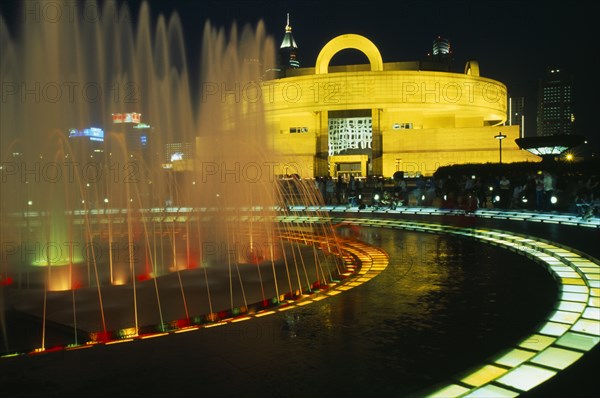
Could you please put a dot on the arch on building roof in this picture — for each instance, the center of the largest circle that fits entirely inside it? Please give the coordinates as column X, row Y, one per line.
column 347, row 41
column 472, row 68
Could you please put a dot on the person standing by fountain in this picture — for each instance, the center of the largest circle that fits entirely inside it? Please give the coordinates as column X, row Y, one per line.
column 504, row 185
column 548, row 189
column 329, row 191
column 539, row 191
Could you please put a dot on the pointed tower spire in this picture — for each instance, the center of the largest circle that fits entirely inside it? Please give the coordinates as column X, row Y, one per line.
column 288, row 48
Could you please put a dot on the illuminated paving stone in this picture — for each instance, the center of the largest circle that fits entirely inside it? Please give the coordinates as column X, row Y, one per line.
column 564, row 317
column 492, row 391
column 571, row 306
column 536, row 342
column 484, row 375
column 554, row 329
column 572, row 281
column 562, row 268
column 581, row 297
column 515, row 357
column 567, row 274
column 578, row 341
column 557, row 358
column 587, row 326
column 450, row 391
column 592, row 313
column 575, row 289
column 526, row 377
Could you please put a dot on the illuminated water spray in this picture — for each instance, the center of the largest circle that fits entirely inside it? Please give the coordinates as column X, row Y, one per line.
column 169, row 212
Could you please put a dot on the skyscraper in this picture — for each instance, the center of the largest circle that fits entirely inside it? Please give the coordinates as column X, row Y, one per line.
column 288, row 51
column 555, row 111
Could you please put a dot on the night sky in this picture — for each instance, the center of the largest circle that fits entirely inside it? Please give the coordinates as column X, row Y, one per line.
column 514, row 41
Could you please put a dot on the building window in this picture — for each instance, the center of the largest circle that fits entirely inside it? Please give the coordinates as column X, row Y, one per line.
column 402, row 126
column 294, row 130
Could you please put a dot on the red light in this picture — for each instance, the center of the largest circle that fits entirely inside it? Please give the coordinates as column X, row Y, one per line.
column 182, row 323
column 143, row 277
column 6, row 281
column 101, row 336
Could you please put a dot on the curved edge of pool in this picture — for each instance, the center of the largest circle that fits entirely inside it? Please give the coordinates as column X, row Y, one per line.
column 570, row 331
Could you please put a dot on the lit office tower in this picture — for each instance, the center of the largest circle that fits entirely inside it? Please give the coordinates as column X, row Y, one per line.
column 288, row 51
column 555, row 112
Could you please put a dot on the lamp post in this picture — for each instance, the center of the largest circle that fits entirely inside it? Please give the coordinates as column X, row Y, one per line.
column 500, row 137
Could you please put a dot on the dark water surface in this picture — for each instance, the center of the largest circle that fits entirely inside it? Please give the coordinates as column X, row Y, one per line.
column 443, row 305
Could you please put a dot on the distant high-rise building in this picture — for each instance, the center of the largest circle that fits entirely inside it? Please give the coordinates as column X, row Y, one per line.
column 86, row 143
column 140, row 144
column 288, row 51
column 555, row 98
column 515, row 113
column 441, row 47
column 440, row 57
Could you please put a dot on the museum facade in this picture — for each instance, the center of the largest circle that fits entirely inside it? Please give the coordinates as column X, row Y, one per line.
column 380, row 118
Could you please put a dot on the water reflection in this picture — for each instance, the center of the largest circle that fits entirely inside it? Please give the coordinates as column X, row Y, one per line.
column 443, row 304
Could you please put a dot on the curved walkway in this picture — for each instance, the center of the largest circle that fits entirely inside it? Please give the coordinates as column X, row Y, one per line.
column 571, row 330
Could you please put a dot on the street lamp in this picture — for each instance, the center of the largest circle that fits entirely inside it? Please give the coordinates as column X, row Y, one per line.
column 500, row 137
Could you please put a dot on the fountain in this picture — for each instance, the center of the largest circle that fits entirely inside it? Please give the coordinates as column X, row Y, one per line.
column 123, row 239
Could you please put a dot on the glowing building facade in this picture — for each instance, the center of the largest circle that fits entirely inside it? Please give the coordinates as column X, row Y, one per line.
column 380, row 118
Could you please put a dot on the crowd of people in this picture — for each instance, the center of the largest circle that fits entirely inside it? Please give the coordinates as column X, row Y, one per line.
column 534, row 189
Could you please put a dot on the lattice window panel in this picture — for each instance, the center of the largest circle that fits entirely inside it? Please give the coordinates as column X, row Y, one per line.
column 350, row 133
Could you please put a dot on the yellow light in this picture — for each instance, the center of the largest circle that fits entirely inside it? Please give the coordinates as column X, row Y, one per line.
column 569, row 156
column 151, row 336
column 188, row 329
column 118, row 341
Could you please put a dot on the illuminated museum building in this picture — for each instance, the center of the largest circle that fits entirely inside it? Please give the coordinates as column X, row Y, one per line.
column 380, row 118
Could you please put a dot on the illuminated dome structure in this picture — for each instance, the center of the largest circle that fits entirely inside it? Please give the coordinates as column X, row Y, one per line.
column 550, row 146
column 383, row 117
